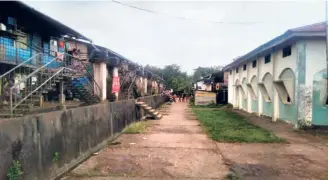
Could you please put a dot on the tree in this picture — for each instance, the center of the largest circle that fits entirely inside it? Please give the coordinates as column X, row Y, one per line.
column 201, row 72
column 173, row 77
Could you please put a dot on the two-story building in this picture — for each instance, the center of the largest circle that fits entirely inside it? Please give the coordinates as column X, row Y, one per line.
column 285, row 78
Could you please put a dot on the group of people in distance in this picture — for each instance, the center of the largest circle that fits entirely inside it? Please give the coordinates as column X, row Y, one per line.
column 180, row 97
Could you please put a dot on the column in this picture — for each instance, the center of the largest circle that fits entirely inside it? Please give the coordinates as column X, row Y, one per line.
column 61, row 96
column 276, row 107
column 145, row 85
column 300, row 97
column 116, row 74
column 100, row 76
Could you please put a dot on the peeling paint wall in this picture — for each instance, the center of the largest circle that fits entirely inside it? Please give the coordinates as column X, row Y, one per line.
column 307, row 58
column 319, row 109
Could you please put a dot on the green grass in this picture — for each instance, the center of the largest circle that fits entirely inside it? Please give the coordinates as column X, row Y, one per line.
column 138, row 127
column 227, row 126
column 207, row 106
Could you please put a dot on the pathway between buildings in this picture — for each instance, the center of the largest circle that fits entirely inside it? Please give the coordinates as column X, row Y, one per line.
column 174, row 147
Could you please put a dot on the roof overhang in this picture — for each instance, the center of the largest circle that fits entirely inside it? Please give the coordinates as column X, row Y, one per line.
column 275, row 44
column 31, row 18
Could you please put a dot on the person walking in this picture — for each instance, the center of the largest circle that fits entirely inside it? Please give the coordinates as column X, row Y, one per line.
column 184, row 97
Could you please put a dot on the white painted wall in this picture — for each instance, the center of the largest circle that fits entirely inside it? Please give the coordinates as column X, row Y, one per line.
column 204, row 87
column 283, row 63
column 315, row 59
column 230, row 87
column 264, row 68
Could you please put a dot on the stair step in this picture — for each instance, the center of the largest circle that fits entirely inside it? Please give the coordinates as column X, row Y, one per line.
column 139, row 103
column 155, row 113
column 158, row 116
column 147, row 108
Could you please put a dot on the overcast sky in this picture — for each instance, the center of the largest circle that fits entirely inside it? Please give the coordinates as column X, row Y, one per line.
column 159, row 40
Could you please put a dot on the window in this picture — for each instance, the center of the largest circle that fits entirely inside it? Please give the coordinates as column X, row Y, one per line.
column 288, row 99
column 245, row 67
column 230, row 71
column 237, row 70
column 254, row 64
column 286, row 51
column 267, row 59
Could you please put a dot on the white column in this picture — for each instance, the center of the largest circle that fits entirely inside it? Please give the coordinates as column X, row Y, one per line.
column 100, row 75
column 145, row 85
column 116, row 74
column 275, row 114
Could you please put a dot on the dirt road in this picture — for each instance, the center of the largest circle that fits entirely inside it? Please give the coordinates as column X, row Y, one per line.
column 176, row 147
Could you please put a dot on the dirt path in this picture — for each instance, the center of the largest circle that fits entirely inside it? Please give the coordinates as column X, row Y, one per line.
column 174, row 147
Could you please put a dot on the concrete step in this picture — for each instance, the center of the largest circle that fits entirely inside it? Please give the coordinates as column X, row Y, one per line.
column 147, row 108
column 139, row 103
column 158, row 116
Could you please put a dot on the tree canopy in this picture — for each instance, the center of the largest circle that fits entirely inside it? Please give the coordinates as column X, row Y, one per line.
column 204, row 71
column 173, row 77
column 176, row 79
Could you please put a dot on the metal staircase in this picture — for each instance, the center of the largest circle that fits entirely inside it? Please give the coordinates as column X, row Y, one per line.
column 40, row 80
column 83, row 90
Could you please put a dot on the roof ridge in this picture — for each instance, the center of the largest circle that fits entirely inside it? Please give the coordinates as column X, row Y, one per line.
column 307, row 26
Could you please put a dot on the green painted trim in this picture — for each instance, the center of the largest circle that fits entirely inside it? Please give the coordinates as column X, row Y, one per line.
column 288, row 112
column 254, row 106
column 319, row 111
column 267, row 108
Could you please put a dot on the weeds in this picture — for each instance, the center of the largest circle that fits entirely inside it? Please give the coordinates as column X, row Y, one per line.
column 55, row 157
column 15, row 171
column 138, row 127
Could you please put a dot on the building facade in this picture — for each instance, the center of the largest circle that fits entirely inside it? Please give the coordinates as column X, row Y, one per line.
column 285, row 78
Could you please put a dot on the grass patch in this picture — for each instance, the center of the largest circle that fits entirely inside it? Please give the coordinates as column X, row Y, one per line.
column 138, row 127
column 232, row 176
column 227, row 126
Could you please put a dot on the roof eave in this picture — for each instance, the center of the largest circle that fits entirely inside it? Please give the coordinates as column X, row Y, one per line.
column 289, row 36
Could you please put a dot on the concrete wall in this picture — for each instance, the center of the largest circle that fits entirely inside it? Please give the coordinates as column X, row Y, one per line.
column 307, row 58
column 74, row 134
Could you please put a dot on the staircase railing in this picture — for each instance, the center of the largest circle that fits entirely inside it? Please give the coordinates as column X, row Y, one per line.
column 14, row 97
column 93, row 85
column 18, row 67
column 131, row 85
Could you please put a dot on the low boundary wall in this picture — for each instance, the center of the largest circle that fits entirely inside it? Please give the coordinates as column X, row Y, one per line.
column 48, row 144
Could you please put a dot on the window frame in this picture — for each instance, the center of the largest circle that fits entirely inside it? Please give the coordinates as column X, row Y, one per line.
column 267, row 59
column 254, row 64
column 286, row 51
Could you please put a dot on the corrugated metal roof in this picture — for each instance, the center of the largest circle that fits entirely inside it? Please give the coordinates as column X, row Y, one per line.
column 34, row 16
column 313, row 30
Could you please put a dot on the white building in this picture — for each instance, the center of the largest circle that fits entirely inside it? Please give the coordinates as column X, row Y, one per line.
column 204, row 84
column 285, row 78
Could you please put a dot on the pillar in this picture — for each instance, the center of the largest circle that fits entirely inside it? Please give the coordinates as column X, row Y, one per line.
column 300, row 96
column 116, row 74
column 145, row 85
column 276, row 107
column 276, row 100
column 61, row 96
column 259, row 94
column 100, row 76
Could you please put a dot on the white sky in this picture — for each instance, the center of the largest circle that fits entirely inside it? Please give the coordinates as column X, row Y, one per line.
column 159, row 40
